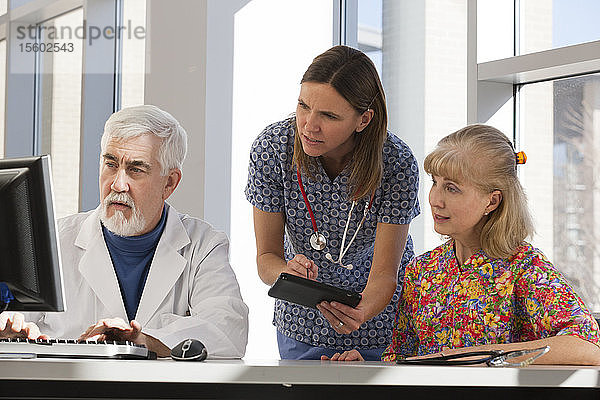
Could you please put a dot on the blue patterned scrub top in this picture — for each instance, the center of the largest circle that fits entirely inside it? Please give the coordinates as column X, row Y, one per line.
column 273, row 187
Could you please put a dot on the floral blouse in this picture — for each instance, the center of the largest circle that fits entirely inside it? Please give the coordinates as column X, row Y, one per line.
column 483, row 301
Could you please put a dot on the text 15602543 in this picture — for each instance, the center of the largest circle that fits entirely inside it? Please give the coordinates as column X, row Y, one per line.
column 46, row 47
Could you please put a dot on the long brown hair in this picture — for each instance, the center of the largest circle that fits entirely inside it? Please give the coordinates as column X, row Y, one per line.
column 354, row 76
column 484, row 157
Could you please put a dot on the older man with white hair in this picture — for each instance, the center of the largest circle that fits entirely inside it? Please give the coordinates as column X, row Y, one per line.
column 134, row 268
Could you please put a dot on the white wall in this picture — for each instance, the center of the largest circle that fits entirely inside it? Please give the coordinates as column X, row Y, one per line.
column 176, row 82
column 270, row 55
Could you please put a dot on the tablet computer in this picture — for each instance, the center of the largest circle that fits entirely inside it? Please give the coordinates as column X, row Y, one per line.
column 310, row 293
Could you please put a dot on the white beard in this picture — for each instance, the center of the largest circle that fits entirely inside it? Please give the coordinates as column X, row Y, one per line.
column 118, row 224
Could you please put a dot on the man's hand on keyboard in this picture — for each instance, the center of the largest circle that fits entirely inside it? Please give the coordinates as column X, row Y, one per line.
column 14, row 326
column 118, row 329
column 114, row 329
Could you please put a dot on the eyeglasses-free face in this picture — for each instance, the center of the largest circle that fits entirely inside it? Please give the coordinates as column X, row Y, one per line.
column 326, row 121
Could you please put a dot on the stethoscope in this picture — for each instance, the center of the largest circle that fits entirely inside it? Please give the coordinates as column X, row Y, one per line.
column 318, row 241
column 492, row 358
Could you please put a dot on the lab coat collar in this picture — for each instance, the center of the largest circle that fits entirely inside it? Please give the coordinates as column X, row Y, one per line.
column 166, row 268
column 97, row 269
column 96, row 266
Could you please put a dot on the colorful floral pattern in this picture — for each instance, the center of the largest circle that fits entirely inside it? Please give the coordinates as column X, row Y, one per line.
column 485, row 300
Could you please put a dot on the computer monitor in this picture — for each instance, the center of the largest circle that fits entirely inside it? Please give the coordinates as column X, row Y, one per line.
column 30, row 269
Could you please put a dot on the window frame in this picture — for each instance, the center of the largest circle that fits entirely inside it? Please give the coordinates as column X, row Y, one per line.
column 490, row 81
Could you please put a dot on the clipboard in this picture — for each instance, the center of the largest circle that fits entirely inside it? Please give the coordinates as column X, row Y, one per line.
column 309, row 293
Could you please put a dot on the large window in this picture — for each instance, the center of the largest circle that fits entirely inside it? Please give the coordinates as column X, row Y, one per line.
column 370, row 30
column 495, row 30
column 576, row 183
column 549, row 24
column 423, row 50
column 63, row 79
column 554, row 117
column 560, row 130
column 59, row 114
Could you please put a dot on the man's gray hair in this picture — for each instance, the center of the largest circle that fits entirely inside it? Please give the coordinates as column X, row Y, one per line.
column 135, row 121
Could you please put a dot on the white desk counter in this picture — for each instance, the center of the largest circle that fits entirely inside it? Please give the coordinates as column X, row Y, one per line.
column 68, row 378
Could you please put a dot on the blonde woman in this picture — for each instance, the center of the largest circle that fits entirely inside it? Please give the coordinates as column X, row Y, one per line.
column 333, row 194
column 486, row 288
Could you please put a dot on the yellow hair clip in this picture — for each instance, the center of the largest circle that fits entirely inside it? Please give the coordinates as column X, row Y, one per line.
column 521, row 157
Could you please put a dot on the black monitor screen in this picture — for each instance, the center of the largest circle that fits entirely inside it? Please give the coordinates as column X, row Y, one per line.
column 30, row 270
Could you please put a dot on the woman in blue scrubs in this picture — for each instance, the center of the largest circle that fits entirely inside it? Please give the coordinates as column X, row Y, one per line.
column 334, row 193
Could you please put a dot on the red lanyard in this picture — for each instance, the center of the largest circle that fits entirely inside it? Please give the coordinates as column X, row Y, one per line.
column 310, row 211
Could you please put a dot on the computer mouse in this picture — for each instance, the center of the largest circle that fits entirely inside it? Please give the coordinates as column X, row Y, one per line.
column 189, row 350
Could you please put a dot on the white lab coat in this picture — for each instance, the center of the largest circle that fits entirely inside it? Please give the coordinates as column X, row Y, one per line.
column 191, row 290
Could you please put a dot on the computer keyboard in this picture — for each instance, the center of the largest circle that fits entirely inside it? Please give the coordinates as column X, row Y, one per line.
column 70, row 348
